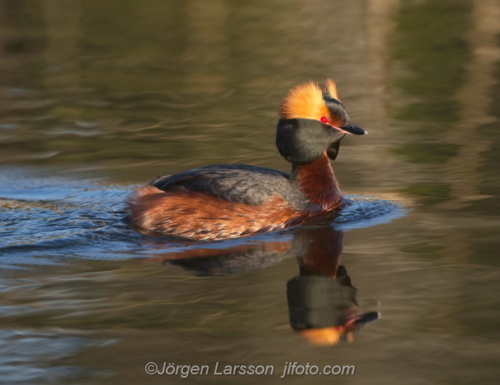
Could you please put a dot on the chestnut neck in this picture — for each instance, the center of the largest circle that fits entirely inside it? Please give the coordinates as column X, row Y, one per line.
column 317, row 182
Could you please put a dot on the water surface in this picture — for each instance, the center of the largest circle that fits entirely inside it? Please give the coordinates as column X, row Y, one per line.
column 98, row 98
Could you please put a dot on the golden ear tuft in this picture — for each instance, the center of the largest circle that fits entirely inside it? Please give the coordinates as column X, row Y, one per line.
column 303, row 101
column 330, row 85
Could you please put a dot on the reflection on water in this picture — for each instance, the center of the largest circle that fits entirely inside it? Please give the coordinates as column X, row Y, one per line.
column 98, row 97
column 86, row 260
column 322, row 301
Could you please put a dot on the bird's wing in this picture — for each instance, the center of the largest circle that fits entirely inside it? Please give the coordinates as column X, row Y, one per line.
column 235, row 183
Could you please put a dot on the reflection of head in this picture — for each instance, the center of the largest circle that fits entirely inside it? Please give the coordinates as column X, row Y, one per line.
column 321, row 300
column 317, row 301
column 322, row 308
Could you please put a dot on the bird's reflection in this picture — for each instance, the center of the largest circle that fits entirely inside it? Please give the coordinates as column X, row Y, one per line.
column 321, row 299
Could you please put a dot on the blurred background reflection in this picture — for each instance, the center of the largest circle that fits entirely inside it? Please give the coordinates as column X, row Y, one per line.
column 97, row 97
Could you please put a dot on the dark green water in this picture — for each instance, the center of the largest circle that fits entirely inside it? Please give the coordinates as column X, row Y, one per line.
column 99, row 97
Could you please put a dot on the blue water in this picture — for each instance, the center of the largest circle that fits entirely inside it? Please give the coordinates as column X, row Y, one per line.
column 46, row 219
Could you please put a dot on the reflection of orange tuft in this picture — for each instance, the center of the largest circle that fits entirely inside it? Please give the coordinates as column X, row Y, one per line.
column 326, row 336
column 306, row 101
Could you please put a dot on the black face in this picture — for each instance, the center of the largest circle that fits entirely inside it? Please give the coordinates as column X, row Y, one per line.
column 302, row 141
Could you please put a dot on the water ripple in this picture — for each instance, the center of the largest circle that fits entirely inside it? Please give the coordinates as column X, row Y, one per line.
column 45, row 218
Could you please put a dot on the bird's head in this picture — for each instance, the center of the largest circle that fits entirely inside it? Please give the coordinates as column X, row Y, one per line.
column 312, row 120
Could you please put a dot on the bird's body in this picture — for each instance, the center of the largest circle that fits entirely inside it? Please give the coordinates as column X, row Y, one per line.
column 229, row 201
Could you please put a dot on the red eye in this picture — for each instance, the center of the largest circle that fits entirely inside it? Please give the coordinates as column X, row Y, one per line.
column 324, row 119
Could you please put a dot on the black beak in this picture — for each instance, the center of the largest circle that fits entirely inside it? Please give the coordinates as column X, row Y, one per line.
column 353, row 129
column 367, row 317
